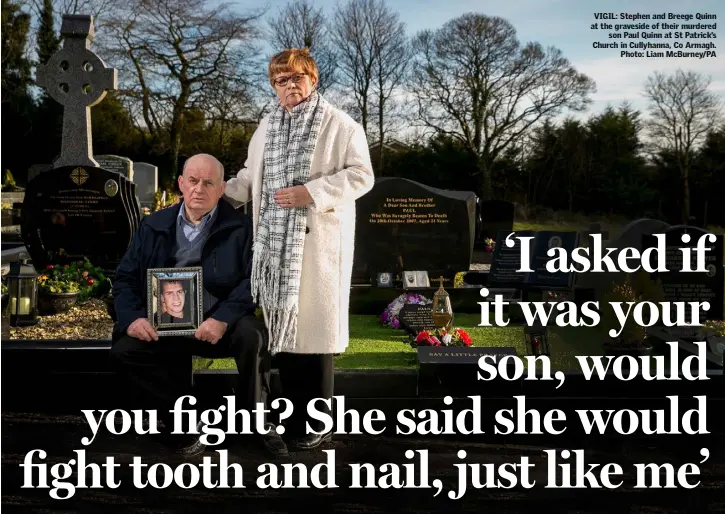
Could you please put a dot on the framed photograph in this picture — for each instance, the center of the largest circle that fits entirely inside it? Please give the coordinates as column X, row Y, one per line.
column 175, row 302
column 415, row 279
column 385, row 279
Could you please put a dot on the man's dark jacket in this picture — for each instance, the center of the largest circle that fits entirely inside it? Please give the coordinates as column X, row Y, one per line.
column 226, row 260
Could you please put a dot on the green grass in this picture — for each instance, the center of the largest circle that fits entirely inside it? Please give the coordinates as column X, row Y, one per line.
column 373, row 346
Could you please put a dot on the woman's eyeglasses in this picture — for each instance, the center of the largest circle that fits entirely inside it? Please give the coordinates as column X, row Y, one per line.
column 283, row 81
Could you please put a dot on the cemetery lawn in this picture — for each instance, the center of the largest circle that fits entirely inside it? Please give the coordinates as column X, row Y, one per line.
column 373, row 346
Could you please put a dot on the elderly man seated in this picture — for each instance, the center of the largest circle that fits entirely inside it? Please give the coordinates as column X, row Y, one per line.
column 202, row 230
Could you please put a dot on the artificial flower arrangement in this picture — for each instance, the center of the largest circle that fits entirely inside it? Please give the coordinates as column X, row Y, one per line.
column 54, row 284
column 441, row 337
column 389, row 317
column 77, row 277
column 717, row 327
column 458, row 279
column 490, row 244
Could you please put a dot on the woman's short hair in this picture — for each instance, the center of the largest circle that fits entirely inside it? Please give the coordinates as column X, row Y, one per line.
column 293, row 60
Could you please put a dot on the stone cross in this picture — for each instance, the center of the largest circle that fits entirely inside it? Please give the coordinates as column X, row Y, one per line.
column 77, row 79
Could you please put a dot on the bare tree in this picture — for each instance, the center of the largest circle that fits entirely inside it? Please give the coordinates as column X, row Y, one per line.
column 682, row 111
column 392, row 56
column 474, row 81
column 171, row 51
column 299, row 25
column 96, row 8
column 356, row 52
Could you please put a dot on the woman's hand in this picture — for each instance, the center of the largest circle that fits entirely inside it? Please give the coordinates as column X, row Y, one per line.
column 297, row 196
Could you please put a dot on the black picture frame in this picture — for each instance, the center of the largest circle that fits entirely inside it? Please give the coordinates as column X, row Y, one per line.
column 175, row 300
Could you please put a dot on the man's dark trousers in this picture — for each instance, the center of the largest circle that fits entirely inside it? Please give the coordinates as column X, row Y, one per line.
column 158, row 371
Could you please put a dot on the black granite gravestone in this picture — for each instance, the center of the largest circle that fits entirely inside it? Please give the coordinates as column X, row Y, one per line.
column 75, row 212
column 405, row 225
column 496, row 216
column 507, row 261
column 681, row 286
column 78, row 209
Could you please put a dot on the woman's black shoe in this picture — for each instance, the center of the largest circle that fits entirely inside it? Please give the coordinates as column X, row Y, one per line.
column 312, row 441
column 274, row 443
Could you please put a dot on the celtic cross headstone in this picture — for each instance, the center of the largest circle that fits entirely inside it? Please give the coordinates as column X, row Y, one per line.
column 77, row 79
column 78, row 209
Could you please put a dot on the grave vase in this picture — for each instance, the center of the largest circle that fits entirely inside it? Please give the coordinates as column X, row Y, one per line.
column 56, row 303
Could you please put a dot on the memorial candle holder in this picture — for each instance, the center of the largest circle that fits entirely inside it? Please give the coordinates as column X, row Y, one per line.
column 23, row 291
column 442, row 310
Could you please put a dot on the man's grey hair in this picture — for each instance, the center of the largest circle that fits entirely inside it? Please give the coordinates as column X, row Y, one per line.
column 218, row 164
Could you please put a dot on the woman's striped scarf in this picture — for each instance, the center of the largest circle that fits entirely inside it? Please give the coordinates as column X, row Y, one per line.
column 277, row 262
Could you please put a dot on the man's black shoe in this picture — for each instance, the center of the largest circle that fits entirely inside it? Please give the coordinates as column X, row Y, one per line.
column 312, row 441
column 273, row 442
column 187, row 445
column 190, row 450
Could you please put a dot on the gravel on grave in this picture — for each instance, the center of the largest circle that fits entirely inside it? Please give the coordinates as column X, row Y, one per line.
column 85, row 320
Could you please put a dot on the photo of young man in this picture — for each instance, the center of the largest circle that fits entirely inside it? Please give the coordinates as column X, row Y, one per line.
column 174, row 307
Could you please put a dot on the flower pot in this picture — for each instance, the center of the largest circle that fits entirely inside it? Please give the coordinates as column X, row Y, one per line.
column 55, row 303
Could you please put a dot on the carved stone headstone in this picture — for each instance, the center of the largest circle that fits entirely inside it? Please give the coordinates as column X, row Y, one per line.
column 496, row 216
column 78, row 209
column 146, row 178
column 679, row 286
column 122, row 165
column 405, row 225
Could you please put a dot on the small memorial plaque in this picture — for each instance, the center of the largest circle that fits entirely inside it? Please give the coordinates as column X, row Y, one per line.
column 415, row 318
column 461, row 354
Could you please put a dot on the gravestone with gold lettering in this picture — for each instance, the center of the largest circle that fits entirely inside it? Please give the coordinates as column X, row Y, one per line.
column 78, row 209
column 403, row 225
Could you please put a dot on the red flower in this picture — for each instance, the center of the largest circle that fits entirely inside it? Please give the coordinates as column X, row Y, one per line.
column 90, row 281
column 50, row 266
column 422, row 336
column 464, row 336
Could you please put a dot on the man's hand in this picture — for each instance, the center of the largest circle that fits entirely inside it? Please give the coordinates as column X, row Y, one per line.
column 142, row 329
column 297, row 196
column 211, row 330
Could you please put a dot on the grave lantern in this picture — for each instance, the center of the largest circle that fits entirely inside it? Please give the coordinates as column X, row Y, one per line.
column 442, row 311
column 23, row 294
column 537, row 341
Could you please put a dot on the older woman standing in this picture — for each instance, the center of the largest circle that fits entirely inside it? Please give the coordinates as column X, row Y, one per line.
column 307, row 164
